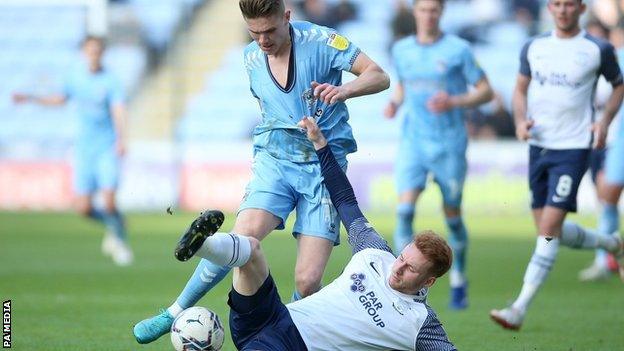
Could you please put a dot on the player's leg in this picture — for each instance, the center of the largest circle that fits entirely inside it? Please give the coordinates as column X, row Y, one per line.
column 450, row 172
column 312, row 256
column 317, row 229
column 406, row 211
column 541, row 261
column 567, row 176
column 253, row 299
column 599, row 267
column 614, row 184
column 84, row 180
column 116, row 235
column 254, row 223
column 258, row 318
column 106, row 167
column 85, row 185
column 411, row 178
column 265, row 207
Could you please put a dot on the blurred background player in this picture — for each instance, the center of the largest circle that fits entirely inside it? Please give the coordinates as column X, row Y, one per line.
column 100, row 143
column 435, row 70
column 554, row 111
column 608, row 222
column 286, row 173
column 377, row 303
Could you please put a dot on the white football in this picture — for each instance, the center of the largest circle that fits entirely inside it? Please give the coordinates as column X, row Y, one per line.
column 197, row 329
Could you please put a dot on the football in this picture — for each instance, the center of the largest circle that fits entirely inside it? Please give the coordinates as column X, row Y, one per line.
column 197, row 329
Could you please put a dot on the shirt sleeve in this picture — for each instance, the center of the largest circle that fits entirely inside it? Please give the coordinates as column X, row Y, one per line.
column 470, row 68
column 361, row 233
column 394, row 57
column 341, row 52
column 432, row 336
column 609, row 66
column 117, row 94
column 525, row 68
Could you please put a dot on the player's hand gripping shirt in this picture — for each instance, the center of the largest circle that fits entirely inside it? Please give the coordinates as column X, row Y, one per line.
column 317, row 54
column 564, row 74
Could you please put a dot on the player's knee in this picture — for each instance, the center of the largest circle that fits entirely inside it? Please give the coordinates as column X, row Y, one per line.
column 451, row 211
column 307, row 282
column 256, row 249
column 83, row 209
column 550, row 228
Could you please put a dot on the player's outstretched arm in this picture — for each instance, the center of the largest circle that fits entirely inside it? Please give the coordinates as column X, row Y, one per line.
column 51, row 100
column 360, row 232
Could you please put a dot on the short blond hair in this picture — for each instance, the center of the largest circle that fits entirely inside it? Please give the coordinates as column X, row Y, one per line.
column 436, row 251
column 261, row 8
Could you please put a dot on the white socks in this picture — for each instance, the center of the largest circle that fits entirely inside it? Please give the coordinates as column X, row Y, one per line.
column 457, row 278
column 575, row 236
column 540, row 265
column 226, row 249
column 175, row 309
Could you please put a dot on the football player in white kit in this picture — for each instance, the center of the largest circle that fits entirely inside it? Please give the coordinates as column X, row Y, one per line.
column 377, row 303
column 553, row 110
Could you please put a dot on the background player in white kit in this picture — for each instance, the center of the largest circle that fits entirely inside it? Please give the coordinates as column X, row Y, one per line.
column 553, row 110
column 377, row 303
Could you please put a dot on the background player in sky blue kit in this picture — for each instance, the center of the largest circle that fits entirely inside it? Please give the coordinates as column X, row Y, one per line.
column 295, row 70
column 435, row 70
column 377, row 303
column 553, row 110
column 100, row 143
column 614, row 164
column 608, row 221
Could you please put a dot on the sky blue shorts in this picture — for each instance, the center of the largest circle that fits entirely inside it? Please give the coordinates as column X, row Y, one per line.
column 615, row 163
column 445, row 162
column 281, row 186
column 95, row 171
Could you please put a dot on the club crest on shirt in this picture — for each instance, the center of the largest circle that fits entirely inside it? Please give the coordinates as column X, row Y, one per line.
column 357, row 285
column 308, row 99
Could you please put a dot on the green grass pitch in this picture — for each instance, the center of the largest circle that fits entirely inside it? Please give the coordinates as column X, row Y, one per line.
column 67, row 296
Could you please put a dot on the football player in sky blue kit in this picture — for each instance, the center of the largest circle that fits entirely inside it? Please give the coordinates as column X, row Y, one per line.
column 553, row 110
column 608, row 221
column 614, row 171
column 295, row 70
column 100, row 143
column 435, row 70
column 377, row 303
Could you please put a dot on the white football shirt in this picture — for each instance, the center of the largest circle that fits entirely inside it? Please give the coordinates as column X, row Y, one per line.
column 564, row 73
column 359, row 311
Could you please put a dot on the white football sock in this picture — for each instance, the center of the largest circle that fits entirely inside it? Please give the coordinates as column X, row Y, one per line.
column 456, row 278
column 175, row 309
column 540, row 265
column 226, row 249
column 575, row 236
